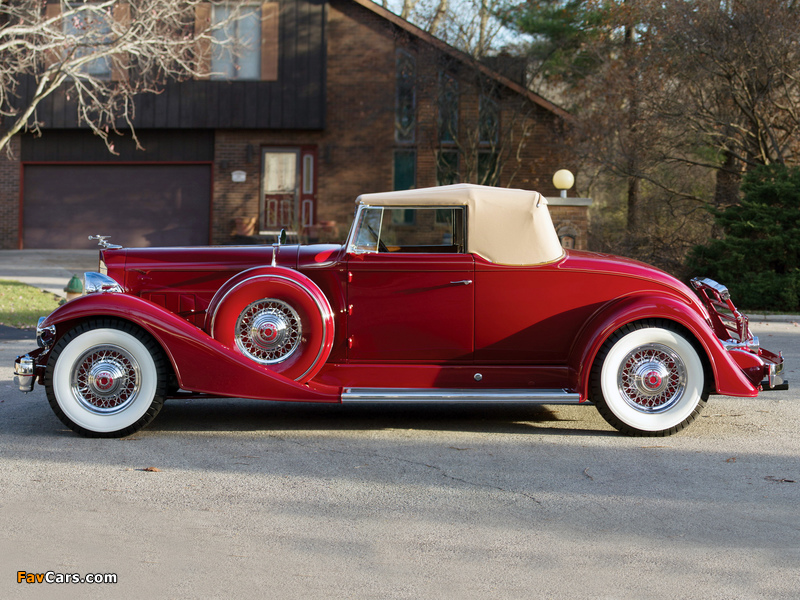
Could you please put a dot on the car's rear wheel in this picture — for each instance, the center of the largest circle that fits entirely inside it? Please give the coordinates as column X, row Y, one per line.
column 649, row 379
column 106, row 378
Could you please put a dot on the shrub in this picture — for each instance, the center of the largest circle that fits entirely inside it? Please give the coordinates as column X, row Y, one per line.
column 758, row 257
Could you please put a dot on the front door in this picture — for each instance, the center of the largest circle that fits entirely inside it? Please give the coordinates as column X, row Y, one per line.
column 288, row 190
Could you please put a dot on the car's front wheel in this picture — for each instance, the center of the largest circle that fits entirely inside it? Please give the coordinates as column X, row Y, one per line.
column 106, row 378
column 649, row 380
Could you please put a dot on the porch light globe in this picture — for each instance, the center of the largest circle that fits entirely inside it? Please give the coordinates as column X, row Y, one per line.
column 563, row 180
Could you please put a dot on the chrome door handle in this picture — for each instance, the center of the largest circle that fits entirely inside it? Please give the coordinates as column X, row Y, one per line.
column 462, row 282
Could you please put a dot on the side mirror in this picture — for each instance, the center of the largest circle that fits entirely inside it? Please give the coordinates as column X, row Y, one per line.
column 282, row 237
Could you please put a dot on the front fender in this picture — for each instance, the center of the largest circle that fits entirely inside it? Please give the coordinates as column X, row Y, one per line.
column 729, row 379
column 201, row 363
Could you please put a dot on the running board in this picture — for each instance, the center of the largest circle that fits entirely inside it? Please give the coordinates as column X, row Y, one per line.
column 352, row 395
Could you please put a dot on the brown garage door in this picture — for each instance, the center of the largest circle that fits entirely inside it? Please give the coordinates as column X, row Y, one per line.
column 137, row 205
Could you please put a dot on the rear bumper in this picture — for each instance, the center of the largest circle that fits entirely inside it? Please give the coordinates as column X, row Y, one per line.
column 774, row 379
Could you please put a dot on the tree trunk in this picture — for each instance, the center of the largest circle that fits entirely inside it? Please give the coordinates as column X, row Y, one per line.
column 633, row 201
column 408, row 6
column 729, row 178
column 483, row 32
column 633, row 142
column 438, row 17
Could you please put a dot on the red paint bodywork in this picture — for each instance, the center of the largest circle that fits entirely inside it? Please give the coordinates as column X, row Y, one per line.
column 405, row 320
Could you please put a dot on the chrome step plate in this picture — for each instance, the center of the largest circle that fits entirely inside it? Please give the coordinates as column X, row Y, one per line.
column 451, row 396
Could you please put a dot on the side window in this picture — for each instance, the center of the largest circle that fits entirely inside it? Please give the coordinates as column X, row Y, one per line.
column 410, row 229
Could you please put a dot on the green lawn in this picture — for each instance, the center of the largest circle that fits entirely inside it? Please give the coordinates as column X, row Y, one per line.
column 21, row 305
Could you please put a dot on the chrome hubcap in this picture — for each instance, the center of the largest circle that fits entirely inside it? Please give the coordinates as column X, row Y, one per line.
column 106, row 379
column 652, row 378
column 268, row 331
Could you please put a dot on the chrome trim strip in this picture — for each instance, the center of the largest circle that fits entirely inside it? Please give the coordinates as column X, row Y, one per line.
column 699, row 282
column 99, row 283
column 456, row 396
column 324, row 310
column 751, row 346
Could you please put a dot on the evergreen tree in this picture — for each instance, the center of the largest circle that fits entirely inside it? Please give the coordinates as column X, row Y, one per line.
column 758, row 258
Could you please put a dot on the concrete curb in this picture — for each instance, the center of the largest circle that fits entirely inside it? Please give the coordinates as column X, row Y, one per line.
column 766, row 318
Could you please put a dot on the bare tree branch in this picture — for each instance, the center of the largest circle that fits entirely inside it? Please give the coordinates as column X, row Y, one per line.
column 103, row 54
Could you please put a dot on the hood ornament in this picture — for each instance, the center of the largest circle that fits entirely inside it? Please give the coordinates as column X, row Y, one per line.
column 102, row 240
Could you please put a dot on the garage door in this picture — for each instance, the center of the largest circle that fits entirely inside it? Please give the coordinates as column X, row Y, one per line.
column 137, row 205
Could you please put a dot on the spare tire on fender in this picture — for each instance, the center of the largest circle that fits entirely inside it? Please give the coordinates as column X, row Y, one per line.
column 276, row 317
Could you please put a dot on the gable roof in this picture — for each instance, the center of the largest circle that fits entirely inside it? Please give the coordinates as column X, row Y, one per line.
column 463, row 57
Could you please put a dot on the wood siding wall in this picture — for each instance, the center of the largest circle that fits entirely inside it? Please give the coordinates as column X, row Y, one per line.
column 79, row 145
column 296, row 100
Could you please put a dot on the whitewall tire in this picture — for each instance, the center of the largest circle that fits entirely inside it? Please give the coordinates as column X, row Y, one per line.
column 649, row 379
column 106, row 378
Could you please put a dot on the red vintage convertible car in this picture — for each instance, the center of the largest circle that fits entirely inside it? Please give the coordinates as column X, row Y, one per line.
column 456, row 294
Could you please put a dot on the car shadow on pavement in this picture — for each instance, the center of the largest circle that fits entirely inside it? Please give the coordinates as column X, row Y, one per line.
column 215, row 415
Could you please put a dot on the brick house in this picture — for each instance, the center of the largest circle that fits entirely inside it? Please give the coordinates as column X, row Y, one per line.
column 341, row 97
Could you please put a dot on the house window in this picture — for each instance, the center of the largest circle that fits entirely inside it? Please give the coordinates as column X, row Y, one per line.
column 447, row 167
column 308, row 174
column 402, row 216
column 489, row 116
column 448, row 108
column 405, row 169
column 247, row 47
column 237, row 55
column 488, row 167
column 489, row 136
column 406, row 99
column 88, row 28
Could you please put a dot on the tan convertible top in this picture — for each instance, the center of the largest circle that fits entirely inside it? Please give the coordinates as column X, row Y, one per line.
column 505, row 226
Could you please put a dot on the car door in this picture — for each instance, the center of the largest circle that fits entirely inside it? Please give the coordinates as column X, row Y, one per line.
column 411, row 298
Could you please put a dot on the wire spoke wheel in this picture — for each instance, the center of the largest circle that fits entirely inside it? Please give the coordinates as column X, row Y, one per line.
column 268, row 331
column 276, row 318
column 652, row 378
column 106, row 379
column 649, row 379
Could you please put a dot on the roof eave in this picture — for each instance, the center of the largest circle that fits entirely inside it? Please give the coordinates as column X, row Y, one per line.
column 464, row 57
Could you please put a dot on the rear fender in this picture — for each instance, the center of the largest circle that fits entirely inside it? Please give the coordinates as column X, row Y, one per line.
column 201, row 363
column 729, row 379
